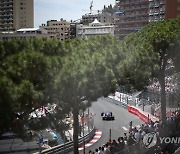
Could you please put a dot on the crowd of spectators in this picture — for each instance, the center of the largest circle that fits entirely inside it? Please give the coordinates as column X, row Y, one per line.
column 170, row 85
column 135, row 136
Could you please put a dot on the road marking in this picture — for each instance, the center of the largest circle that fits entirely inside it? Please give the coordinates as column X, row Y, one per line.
column 88, row 144
column 138, row 126
column 125, row 128
column 99, row 133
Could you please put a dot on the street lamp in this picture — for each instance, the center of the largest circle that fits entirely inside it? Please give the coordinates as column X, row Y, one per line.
column 143, row 105
column 127, row 99
column 83, row 135
column 88, row 121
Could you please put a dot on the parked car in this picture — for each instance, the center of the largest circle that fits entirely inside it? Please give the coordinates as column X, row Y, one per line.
column 107, row 115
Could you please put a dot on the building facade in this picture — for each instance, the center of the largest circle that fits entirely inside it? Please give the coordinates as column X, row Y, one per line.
column 95, row 28
column 72, row 30
column 172, row 9
column 104, row 18
column 133, row 15
column 57, row 29
column 163, row 9
column 156, row 10
column 16, row 14
column 25, row 33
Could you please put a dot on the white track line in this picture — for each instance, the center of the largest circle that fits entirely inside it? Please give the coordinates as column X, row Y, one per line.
column 125, row 128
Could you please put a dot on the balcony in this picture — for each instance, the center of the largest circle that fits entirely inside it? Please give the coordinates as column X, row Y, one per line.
column 156, row 12
column 138, row 8
column 151, row 20
column 132, row 22
column 162, row 3
column 132, row 15
column 156, row 5
column 133, row 3
column 162, row 9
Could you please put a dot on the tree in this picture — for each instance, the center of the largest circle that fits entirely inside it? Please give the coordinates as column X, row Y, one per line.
column 27, row 71
column 162, row 39
column 151, row 49
column 133, row 71
column 6, row 109
column 86, row 75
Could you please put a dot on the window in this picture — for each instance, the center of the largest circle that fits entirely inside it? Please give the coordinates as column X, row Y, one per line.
column 178, row 7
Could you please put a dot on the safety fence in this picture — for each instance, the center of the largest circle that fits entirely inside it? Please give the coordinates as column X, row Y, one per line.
column 122, row 104
column 144, row 116
column 68, row 147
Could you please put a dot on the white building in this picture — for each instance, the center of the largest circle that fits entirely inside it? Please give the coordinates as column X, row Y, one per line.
column 94, row 28
column 25, row 33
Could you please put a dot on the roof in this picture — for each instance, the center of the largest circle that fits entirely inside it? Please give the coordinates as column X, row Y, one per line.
column 27, row 29
column 95, row 21
column 119, row 12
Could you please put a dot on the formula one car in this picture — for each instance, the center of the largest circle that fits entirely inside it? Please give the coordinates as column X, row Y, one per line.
column 107, row 116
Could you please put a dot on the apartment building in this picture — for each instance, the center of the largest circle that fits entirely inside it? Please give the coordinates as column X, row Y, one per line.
column 57, row 29
column 163, row 9
column 132, row 15
column 156, row 10
column 16, row 14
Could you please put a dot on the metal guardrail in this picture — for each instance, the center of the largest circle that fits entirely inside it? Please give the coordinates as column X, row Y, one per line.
column 124, row 105
column 68, row 147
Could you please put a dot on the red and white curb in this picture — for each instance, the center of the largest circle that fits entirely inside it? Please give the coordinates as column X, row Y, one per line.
column 96, row 137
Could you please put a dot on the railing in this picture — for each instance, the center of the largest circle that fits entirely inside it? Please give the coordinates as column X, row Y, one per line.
column 124, row 105
column 68, row 147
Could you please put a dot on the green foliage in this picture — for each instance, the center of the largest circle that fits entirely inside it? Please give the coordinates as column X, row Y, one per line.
column 148, row 52
column 27, row 70
column 77, row 72
column 86, row 73
column 6, row 109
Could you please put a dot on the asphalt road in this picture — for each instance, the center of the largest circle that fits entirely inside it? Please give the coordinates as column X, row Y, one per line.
column 118, row 127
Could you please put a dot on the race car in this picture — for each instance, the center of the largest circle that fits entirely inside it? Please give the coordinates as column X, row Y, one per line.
column 107, row 115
